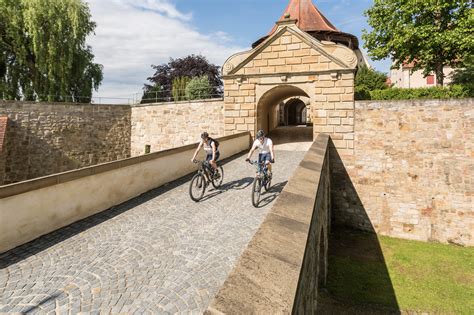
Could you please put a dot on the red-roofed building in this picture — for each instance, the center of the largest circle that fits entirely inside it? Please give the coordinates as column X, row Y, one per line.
column 405, row 78
column 311, row 20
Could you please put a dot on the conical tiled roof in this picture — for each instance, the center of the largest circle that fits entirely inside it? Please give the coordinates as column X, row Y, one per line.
column 311, row 20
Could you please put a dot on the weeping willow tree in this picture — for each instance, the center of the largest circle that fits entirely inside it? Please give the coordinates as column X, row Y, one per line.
column 43, row 51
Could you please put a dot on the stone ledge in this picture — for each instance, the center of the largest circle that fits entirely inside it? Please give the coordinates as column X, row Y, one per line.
column 42, row 182
column 373, row 104
column 3, row 102
column 291, row 74
column 266, row 279
column 211, row 100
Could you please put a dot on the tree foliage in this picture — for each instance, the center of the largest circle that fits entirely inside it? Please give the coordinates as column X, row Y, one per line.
column 179, row 88
column 368, row 80
column 430, row 33
column 371, row 79
column 198, row 88
column 465, row 73
column 161, row 83
column 43, row 51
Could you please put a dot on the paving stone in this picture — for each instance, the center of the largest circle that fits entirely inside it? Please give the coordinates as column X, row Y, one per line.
column 158, row 253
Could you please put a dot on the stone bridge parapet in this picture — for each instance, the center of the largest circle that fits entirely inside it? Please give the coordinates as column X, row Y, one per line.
column 286, row 261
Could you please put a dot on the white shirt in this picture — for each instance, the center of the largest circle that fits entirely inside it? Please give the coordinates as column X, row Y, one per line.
column 265, row 146
column 207, row 147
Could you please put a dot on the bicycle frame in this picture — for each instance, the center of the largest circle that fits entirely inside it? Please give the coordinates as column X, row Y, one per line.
column 205, row 168
column 262, row 169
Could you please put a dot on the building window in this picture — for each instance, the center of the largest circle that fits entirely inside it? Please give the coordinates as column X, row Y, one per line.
column 430, row 79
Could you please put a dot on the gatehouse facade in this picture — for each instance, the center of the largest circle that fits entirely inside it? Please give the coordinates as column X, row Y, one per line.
column 295, row 77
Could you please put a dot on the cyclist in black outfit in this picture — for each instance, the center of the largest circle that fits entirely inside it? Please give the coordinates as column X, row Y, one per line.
column 211, row 147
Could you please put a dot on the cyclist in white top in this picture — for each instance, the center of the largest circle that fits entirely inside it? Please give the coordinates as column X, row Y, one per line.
column 211, row 147
column 266, row 154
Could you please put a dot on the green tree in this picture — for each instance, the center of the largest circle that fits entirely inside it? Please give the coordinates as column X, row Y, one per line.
column 160, row 89
column 179, row 88
column 430, row 33
column 198, row 88
column 465, row 74
column 43, row 51
column 368, row 80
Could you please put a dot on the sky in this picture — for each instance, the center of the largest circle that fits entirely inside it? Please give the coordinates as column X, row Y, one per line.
column 132, row 35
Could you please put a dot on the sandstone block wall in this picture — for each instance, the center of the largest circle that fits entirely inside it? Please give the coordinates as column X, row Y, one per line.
column 169, row 125
column 412, row 172
column 333, row 110
column 44, row 139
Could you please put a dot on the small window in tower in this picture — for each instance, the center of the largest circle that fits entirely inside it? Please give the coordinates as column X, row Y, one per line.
column 430, row 79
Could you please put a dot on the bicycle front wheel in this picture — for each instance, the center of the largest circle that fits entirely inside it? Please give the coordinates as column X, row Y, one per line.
column 217, row 181
column 197, row 187
column 256, row 189
column 268, row 183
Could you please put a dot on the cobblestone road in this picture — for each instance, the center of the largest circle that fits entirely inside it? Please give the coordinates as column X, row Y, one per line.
column 159, row 253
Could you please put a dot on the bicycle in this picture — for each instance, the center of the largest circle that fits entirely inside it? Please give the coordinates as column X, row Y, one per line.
column 204, row 176
column 262, row 179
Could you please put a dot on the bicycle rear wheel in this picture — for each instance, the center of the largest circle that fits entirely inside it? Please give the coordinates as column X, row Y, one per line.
column 197, row 187
column 217, row 182
column 256, row 189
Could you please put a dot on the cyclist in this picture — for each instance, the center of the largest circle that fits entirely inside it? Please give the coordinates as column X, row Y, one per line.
column 211, row 147
column 266, row 154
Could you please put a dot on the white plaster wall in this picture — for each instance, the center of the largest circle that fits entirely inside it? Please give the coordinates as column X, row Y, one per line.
column 26, row 216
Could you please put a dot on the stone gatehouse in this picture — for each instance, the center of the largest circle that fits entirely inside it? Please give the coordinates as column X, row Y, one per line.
column 295, row 61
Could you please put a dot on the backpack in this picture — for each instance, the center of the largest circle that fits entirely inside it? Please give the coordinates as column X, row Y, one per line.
column 216, row 142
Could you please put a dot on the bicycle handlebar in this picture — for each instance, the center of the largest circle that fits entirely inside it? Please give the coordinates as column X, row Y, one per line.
column 256, row 162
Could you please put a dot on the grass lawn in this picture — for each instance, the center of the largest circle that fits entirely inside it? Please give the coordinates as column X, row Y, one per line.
column 371, row 274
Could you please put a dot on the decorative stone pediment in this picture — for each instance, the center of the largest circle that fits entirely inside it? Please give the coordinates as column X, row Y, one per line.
column 290, row 50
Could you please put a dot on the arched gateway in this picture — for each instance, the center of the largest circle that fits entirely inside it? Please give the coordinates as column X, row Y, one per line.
column 304, row 56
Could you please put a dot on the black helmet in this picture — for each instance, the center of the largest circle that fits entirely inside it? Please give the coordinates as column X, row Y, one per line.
column 204, row 135
column 260, row 134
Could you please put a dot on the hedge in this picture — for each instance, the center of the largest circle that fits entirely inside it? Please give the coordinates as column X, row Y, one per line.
column 452, row 91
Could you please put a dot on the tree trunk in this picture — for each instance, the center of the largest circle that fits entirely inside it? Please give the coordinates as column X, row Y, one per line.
column 439, row 74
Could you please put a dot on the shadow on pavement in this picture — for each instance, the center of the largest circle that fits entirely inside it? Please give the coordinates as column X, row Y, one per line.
column 271, row 194
column 233, row 185
column 291, row 134
column 44, row 242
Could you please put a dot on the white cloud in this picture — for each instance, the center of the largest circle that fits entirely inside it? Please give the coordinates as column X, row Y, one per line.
column 133, row 35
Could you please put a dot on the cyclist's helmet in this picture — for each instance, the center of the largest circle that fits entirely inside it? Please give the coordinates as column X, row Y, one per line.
column 260, row 134
column 204, row 135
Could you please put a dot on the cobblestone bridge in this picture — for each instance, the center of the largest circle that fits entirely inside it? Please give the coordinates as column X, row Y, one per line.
column 159, row 253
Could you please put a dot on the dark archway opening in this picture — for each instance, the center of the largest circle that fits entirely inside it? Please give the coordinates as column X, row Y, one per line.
column 294, row 112
column 272, row 115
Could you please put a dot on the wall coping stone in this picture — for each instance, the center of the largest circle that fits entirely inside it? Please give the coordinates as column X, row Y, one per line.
column 374, row 104
column 4, row 102
column 211, row 100
column 290, row 74
column 51, row 180
column 265, row 278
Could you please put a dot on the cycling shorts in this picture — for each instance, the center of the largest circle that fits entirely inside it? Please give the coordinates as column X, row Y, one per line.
column 209, row 156
column 263, row 157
